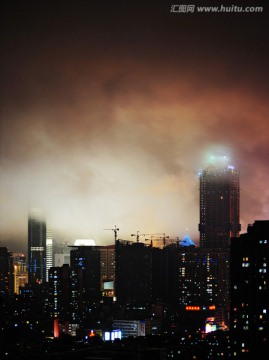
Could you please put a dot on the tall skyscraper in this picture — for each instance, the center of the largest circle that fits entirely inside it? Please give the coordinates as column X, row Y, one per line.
column 49, row 251
column 36, row 247
column 219, row 207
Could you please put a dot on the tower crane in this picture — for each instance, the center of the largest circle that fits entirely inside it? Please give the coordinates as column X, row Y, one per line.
column 137, row 235
column 164, row 237
column 115, row 230
column 115, row 233
column 174, row 240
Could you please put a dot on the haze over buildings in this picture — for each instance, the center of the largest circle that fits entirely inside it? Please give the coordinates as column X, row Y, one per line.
column 109, row 112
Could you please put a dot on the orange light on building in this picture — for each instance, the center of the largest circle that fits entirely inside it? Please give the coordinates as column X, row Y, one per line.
column 192, row 308
column 56, row 328
column 212, row 307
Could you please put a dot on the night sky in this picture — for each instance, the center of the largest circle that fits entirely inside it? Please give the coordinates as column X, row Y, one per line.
column 109, row 110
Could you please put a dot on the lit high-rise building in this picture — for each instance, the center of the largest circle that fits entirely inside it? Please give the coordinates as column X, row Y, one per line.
column 59, row 292
column 219, row 207
column 85, row 262
column 87, row 259
column 36, row 247
column 107, row 270
column 204, row 283
column 20, row 271
column 249, row 320
column 49, row 252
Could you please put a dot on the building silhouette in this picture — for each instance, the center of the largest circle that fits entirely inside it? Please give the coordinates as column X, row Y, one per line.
column 219, row 206
column 36, row 247
column 170, row 275
column 85, row 261
column 249, row 325
column 133, row 273
column 6, row 272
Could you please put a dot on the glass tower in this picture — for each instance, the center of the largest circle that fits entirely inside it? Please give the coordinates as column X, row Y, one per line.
column 36, row 247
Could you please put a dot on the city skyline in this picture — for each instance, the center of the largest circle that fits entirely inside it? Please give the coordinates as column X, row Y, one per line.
column 109, row 113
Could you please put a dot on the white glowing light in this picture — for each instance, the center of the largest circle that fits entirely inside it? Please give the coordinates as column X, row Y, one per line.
column 85, row 242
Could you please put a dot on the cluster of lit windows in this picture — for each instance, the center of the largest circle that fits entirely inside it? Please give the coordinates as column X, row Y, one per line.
column 195, row 308
column 245, row 262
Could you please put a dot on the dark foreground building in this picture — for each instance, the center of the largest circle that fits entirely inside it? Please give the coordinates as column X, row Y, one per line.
column 6, row 285
column 249, row 323
column 133, row 273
